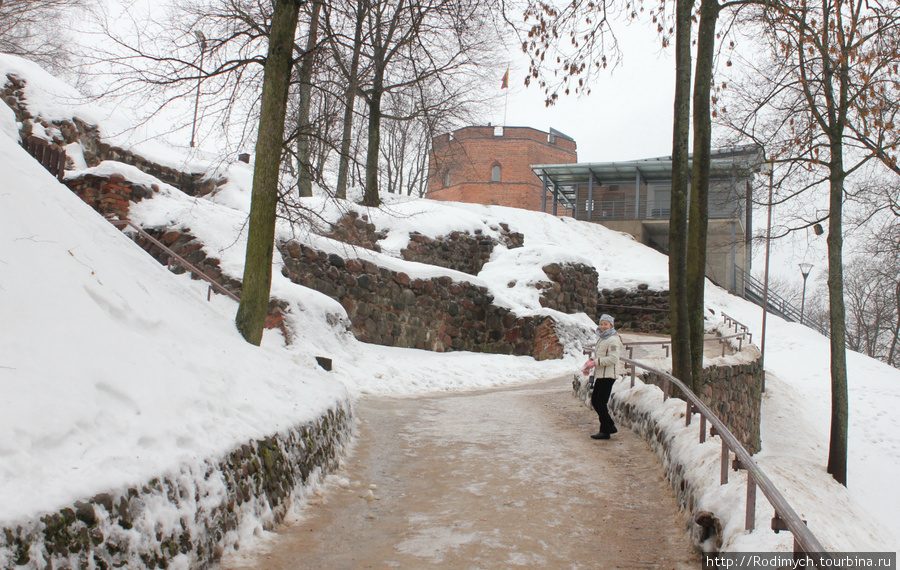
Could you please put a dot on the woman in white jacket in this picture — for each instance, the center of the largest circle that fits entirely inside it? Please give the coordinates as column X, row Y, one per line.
column 608, row 366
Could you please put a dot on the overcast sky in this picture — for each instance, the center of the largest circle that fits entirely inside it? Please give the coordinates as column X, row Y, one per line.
column 627, row 115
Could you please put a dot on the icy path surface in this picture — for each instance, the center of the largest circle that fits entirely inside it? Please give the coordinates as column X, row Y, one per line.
column 503, row 478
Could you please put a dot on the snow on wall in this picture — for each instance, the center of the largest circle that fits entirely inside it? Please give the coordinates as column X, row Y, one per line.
column 185, row 519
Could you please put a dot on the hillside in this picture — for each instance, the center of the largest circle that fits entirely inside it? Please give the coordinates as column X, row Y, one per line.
column 114, row 370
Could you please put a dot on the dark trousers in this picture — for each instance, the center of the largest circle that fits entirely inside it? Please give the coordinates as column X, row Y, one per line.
column 600, row 400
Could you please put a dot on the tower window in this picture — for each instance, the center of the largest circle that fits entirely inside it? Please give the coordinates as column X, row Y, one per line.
column 495, row 173
column 446, row 179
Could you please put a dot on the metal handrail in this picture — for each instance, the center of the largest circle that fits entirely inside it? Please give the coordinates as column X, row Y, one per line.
column 753, row 291
column 785, row 516
column 212, row 283
column 668, row 343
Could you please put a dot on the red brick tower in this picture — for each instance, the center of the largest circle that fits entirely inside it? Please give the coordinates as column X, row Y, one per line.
column 492, row 165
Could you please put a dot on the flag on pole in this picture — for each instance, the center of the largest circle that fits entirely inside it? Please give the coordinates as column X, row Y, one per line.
column 505, row 82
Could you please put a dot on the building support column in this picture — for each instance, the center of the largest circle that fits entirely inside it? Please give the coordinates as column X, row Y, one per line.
column 590, row 207
column 544, row 192
column 637, row 194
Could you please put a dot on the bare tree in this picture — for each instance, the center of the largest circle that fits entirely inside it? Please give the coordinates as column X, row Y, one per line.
column 251, row 315
column 440, row 43
column 828, row 89
column 37, row 30
column 304, row 125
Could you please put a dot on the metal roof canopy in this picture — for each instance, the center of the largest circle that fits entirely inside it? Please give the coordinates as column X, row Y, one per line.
column 723, row 165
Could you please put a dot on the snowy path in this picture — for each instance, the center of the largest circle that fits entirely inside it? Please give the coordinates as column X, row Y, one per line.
column 488, row 479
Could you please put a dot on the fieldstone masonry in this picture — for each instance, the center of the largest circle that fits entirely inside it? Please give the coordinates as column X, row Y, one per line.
column 642, row 310
column 64, row 132
column 734, row 393
column 356, row 230
column 392, row 309
column 572, row 289
column 189, row 514
column 460, row 251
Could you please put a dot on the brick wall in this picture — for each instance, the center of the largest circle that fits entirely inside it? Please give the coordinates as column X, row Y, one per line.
column 75, row 130
column 470, row 153
column 111, row 196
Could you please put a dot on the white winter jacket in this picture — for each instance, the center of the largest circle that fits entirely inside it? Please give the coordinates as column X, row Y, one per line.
column 607, row 356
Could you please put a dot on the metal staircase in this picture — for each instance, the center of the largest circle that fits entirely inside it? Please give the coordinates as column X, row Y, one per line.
column 754, row 291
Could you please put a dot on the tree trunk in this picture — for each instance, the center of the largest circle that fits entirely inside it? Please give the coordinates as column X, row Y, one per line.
column 890, row 359
column 698, row 222
column 350, row 98
column 837, row 449
column 251, row 314
column 681, row 364
column 371, row 197
column 304, row 128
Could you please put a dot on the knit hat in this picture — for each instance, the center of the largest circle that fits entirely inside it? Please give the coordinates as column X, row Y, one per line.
column 607, row 318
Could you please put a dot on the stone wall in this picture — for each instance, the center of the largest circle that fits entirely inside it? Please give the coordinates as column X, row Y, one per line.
column 64, row 132
column 733, row 390
column 390, row 308
column 111, row 196
column 356, row 230
column 572, row 289
column 641, row 310
column 189, row 516
column 182, row 242
column 460, row 251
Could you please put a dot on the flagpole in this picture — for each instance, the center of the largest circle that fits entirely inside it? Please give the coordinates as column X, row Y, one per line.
column 505, row 105
column 506, row 97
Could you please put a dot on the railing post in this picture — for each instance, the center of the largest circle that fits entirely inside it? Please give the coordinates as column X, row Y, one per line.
column 688, row 413
column 633, row 373
column 723, row 475
column 750, row 518
column 702, row 428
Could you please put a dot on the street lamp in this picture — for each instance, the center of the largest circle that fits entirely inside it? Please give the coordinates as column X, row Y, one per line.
column 805, row 268
column 769, row 168
column 201, row 40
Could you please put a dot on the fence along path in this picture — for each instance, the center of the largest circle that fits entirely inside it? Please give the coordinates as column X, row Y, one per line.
column 785, row 519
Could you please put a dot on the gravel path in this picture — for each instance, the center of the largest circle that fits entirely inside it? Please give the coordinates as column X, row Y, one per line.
column 503, row 478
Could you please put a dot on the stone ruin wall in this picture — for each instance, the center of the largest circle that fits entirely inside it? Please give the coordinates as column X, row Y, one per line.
column 641, row 310
column 94, row 149
column 392, row 309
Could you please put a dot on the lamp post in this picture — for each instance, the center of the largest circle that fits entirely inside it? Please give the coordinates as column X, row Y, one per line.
column 805, row 268
column 768, row 167
column 201, row 39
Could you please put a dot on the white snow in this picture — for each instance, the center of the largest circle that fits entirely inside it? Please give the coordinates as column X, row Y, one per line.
column 114, row 370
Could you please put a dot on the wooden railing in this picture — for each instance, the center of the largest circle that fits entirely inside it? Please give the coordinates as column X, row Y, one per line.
column 273, row 320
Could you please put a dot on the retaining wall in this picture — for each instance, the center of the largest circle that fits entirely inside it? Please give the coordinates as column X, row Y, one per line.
column 64, row 132
column 390, row 308
column 572, row 289
column 733, row 390
column 640, row 310
column 191, row 516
